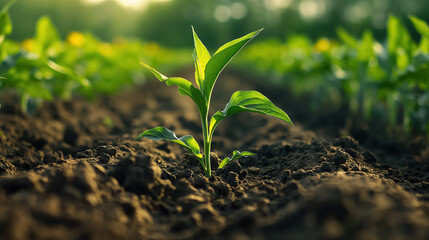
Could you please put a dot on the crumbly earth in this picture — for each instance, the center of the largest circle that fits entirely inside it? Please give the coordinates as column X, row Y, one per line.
column 72, row 171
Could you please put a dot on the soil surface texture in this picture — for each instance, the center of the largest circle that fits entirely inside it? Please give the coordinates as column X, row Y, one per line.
column 72, row 171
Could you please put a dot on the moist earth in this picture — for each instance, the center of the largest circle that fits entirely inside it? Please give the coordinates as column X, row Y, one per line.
column 72, row 171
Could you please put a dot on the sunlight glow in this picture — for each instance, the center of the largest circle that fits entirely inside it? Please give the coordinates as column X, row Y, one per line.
column 93, row 1
column 277, row 4
column 222, row 13
column 311, row 9
column 136, row 4
column 132, row 3
column 239, row 10
column 358, row 12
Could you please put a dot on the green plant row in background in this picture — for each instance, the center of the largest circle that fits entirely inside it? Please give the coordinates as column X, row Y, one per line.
column 46, row 67
column 387, row 81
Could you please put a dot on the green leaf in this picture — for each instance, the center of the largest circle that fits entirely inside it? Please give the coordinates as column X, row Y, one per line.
column 365, row 48
column 397, row 36
column 162, row 133
column 201, row 56
column 185, row 87
column 420, row 26
column 7, row 6
column 423, row 28
column 36, row 89
column 68, row 72
column 46, row 34
column 219, row 60
column 248, row 101
column 424, row 45
column 235, row 155
column 2, row 135
column 5, row 22
column 417, row 70
column 347, row 38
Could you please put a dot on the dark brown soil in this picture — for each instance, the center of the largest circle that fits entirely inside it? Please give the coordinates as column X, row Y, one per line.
column 72, row 171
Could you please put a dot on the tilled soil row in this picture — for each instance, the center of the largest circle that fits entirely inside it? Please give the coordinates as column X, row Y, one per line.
column 73, row 172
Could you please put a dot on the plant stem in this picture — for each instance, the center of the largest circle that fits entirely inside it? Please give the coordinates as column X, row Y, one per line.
column 207, row 158
column 207, row 143
column 24, row 102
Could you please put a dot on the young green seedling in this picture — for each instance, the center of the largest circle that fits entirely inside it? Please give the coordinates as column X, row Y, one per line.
column 207, row 70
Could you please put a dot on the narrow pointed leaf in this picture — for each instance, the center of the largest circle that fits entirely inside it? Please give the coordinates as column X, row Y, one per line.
column 68, row 72
column 219, row 60
column 201, row 57
column 397, row 36
column 162, row 133
column 347, row 38
column 235, row 155
column 7, row 6
column 248, row 101
column 198, row 79
column 46, row 34
column 5, row 22
column 185, row 87
column 417, row 70
column 365, row 47
column 420, row 26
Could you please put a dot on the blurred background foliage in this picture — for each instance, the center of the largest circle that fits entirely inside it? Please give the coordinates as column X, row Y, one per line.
column 367, row 58
column 168, row 21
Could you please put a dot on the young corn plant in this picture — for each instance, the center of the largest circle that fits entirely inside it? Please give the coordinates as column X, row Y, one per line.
column 207, row 70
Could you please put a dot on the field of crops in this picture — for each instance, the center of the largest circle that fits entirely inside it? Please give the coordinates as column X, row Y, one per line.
column 46, row 67
column 386, row 81
column 354, row 164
